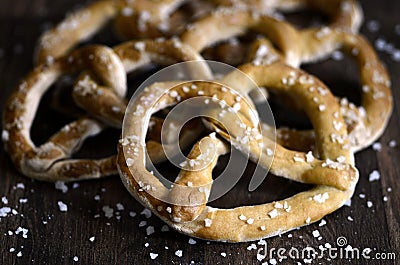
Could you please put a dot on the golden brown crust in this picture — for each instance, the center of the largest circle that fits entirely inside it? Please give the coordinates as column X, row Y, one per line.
column 251, row 222
column 51, row 161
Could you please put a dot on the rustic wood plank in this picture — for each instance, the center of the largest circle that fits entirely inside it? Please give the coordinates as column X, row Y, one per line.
column 56, row 238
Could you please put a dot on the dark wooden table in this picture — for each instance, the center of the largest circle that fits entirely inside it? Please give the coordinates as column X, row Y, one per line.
column 85, row 234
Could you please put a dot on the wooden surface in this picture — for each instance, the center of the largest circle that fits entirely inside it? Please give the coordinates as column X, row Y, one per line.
column 56, row 237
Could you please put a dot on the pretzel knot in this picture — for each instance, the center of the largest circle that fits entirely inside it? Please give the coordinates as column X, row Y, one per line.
column 295, row 47
column 184, row 206
column 165, row 18
column 51, row 161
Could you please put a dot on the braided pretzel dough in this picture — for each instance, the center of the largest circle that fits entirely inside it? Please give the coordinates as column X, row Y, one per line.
column 109, row 105
column 236, row 21
column 50, row 161
column 212, row 222
column 84, row 23
column 365, row 124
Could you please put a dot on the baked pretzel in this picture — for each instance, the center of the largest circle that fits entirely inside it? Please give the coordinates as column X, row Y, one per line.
column 249, row 222
column 84, row 23
column 51, row 161
column 365, row 123
column 307, row 45
column 236, row 21
column 109, row 105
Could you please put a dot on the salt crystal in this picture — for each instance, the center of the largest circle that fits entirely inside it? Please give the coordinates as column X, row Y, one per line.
column 377, row 147
column 108, row 211
column 350, row 218
column 373, row 25
column 316, row 233
column 62, row 206
column 178, row 253
column 273, row 213
column 207, row 222
column 374, row 175
column 392, row 144
column 120, row 207
column 150, row 230
column 60, row 185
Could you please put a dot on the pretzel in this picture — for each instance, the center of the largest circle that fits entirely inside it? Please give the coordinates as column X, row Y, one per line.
column 307, row 45
column 109, row 106
column 249, row 222
column 365, row 123
column 236, row 21
column 343, row 14
column 50, row 161
column 84, row 23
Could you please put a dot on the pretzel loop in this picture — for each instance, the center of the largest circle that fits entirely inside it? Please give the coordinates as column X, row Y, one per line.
column 50, row 161
column 209, row 222
column 109, row 107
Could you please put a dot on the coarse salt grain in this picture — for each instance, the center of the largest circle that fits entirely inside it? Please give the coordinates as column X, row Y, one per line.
column 146, row 212
column 350, row 218
column 178, row 253
column 207, row 222
column 62, row 206
column 153, row 255
column 392, row 144
column 377, row 147
column 108, row 211
column 274, row 213
column 150, row 230
column 374, row 175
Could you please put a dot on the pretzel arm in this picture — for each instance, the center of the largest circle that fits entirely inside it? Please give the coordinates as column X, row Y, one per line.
column 191, row 189
column 36, row 162
column 76, row 27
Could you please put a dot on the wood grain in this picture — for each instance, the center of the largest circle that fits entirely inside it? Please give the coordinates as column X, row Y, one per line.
column 56, row 237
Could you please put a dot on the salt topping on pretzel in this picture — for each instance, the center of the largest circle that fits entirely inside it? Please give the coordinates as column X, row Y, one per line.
column 303, row 46
column 343, row 14
column 84, row 23
column 245, row 223
column 76, row 27
column 51, row 161
column 365, row 123
column 109, row 106
column 236, row 21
